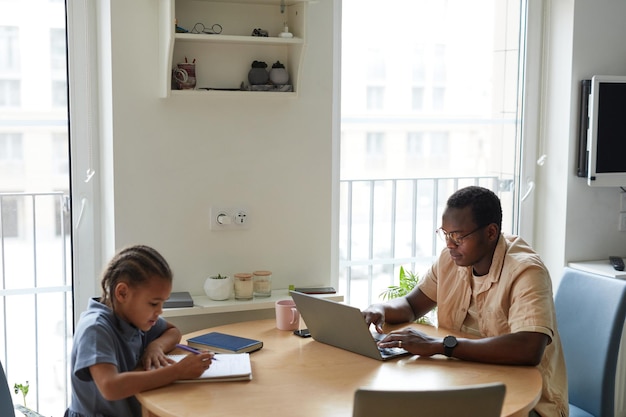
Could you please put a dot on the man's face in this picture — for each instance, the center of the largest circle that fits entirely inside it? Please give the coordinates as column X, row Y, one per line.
column 475, row 245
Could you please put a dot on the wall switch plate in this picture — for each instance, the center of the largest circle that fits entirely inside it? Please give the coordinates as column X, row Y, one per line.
column 229, row 218
column 622, row 201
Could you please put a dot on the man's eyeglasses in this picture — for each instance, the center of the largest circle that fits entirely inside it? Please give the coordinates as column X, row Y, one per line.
column 454, row 236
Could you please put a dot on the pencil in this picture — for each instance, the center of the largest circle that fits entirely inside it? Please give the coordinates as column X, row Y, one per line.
column 192, row 350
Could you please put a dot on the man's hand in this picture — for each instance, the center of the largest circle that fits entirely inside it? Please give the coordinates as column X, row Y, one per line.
column 375, row 314
column 413, row 341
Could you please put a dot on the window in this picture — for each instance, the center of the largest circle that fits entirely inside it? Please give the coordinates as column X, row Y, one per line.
column 35, row 243
column 11, row 148
column 60, row 159
column 375, row 97
column 10, row 93
column 415, row 143
column 11, row 154
column 57, row 52
column 9, row 50
column 59, row 93
column 10, row 217
column 441, row 87
column 375, row 144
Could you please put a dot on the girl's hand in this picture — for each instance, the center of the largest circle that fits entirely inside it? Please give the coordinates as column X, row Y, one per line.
column 154, row 357
column 192, row 366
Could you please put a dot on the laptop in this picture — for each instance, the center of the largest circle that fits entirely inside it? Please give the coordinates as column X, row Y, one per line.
column 342, row 326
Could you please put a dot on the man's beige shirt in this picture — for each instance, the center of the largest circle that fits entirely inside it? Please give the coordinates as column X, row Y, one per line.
column 518, row 299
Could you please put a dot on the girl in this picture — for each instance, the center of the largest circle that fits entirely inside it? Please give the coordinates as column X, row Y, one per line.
column 121, row 340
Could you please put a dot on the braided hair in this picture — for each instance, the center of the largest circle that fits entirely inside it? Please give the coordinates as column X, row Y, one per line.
column 134, row 265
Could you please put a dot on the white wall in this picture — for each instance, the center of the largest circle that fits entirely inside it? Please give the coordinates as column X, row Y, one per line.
column 575, row 221
column 172, row 159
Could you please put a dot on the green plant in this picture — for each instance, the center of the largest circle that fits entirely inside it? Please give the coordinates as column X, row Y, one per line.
column 408, row 281
column 219, row 276
column 23, row 389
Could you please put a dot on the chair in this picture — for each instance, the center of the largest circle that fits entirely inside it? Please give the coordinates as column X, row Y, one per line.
column 483, row 400
column 590, row 312
column 6, row 401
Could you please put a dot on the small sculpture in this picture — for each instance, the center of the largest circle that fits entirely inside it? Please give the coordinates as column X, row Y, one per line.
column 278, row 74
column 258, row 75
column 260, row 32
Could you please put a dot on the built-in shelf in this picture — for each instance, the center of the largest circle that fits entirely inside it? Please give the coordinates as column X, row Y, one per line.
column 223, row 60
column 204, row 305
column 600, row 267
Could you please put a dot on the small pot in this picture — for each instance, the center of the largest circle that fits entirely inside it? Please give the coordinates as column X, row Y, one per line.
column 258, row 74
column 218, row 288
column 278, row 74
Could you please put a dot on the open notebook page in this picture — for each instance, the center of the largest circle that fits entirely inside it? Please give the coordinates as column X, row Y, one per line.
column 226, row 367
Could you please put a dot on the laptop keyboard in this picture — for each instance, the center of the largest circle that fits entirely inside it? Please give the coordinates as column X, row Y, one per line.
column 386, row 351
column 391, row 351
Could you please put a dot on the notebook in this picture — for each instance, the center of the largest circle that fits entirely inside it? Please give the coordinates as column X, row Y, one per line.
column 225, row 367
column 178, row 300
column 224, row 343
column 342, row 326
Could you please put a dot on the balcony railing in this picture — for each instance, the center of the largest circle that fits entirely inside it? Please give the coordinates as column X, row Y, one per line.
column 384, row 224
column 36, row 297
column 388, row 223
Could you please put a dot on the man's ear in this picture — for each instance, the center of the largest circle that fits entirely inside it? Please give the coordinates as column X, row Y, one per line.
column 493, row 232
column 121, row 291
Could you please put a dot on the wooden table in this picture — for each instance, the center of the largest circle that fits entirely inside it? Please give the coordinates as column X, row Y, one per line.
column 303, row 377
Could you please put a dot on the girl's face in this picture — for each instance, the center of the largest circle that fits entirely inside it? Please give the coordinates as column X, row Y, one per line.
column 142, row 305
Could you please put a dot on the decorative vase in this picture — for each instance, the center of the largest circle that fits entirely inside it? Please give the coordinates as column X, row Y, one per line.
column 218, row 287
column 278, row 74
column 258, row 74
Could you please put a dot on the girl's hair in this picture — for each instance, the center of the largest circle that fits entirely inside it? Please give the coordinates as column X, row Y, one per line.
column 134, row 265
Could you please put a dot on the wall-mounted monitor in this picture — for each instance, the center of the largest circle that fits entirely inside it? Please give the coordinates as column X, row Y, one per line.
column 602, row 135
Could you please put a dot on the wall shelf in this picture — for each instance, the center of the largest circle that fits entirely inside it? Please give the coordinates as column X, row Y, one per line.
column 223, row 60
column 204, row 305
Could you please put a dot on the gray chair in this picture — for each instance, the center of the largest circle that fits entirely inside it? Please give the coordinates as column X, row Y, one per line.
column 590, row 312
column 482, row 400
column 6, row 401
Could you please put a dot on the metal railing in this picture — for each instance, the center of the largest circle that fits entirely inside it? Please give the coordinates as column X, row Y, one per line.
column 384, row 224
column 388, row 223
column 36, row 296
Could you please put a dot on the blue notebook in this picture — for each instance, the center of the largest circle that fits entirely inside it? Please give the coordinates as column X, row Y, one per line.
column 224, row 343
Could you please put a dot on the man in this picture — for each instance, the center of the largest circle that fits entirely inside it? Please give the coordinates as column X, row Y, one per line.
column 488, row 285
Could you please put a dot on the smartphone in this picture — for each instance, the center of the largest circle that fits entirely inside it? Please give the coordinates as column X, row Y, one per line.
column 316, row 290
column 302, row 333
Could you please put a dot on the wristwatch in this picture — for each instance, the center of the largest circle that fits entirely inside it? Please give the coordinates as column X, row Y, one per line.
column 449, row 343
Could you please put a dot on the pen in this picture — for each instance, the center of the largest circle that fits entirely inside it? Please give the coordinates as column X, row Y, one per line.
column 192, row 350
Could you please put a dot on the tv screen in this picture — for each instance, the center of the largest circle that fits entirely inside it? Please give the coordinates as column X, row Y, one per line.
column 606, row 134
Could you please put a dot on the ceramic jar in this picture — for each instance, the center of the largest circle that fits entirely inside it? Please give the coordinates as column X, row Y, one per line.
column 258, row 74
column 278, row 74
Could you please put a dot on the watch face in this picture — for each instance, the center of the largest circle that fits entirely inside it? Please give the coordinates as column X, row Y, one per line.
column 449, row 341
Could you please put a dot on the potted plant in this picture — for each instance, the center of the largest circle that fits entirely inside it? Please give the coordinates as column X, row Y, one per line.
column 23, row 388
column 218, row 287
column 408, row 281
